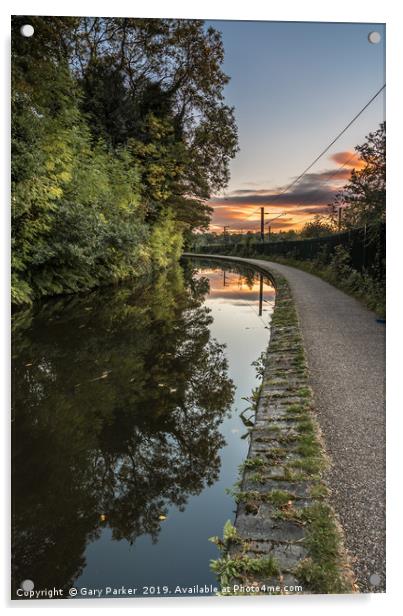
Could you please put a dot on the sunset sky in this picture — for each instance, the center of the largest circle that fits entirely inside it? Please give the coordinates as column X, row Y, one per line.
column 294, row 87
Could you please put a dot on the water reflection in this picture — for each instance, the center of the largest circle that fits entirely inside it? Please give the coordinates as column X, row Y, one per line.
column 123, row 435
column 240, row 284
column 118, row 397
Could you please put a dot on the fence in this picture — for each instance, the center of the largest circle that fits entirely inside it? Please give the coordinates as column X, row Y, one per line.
column 366, row 247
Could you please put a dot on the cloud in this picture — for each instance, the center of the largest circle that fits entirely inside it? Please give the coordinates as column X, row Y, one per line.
column 309, row 196
column 349, row 158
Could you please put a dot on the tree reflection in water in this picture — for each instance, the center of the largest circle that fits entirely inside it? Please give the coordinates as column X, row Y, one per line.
column 117, row 397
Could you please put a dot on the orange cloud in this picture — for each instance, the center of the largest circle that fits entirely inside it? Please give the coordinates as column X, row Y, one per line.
column 349, row 159
column 240, row 210
column 247, row 218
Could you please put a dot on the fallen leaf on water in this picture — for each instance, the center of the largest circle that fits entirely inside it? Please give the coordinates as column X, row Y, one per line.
column 103, row 376
column 29, row 364
column 162, row 517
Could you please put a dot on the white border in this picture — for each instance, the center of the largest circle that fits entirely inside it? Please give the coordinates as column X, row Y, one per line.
column 308, row 10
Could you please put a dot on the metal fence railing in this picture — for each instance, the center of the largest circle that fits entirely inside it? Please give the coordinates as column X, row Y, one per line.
column 366, row 247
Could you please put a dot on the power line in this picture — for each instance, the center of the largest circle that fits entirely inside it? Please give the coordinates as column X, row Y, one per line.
column 287, row 188
column 250, row 215
column 329, row 176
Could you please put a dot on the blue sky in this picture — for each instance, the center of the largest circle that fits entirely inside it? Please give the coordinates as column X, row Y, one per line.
column 294, row 86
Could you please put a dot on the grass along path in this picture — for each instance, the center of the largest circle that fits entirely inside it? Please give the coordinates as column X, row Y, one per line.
column 286, row 536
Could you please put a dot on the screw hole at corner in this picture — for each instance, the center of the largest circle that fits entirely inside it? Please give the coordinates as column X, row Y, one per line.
column 27, row 30
column 374, row 38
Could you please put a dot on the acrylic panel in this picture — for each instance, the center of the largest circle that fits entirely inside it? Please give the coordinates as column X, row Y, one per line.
column 198, row 294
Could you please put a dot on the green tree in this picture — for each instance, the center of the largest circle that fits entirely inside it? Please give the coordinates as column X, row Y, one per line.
column 120, row 133
column 318, row 227
column 76, row 215
column 363, row 199
column 169, row 70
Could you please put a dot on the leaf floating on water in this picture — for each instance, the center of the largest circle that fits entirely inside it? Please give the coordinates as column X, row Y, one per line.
column 29, row 364
column 162, row 517
column 161, row 384
column 103, row 376
column 173, row 390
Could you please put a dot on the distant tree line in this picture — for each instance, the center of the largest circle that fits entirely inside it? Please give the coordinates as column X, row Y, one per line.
column 120, row 134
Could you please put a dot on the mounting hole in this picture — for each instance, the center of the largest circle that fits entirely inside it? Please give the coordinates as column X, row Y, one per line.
column 374, row 579
column 374, row 37
column 27, row 30
column 27, row 585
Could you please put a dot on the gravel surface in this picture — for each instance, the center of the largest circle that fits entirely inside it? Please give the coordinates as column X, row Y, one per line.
column 345, row 348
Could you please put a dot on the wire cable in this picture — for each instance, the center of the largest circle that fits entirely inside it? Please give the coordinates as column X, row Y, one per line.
column 287, row 188
column 296, row 180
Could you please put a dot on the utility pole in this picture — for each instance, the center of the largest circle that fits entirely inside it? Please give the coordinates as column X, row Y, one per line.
column 338, row 210
column 262, row 224
column 275, row 218
column 261, row 295
column 225, row 227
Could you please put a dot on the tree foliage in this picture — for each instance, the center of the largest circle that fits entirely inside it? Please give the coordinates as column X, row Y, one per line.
column 363, row 199
column 120, row 133
column 318, row 227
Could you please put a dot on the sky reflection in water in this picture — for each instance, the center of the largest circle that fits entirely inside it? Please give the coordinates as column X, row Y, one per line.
column 126, row 426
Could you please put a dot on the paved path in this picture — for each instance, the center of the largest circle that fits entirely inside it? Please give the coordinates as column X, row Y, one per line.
column 346, row 356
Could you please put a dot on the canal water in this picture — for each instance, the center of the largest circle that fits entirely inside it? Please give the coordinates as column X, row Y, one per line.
column 127, row 429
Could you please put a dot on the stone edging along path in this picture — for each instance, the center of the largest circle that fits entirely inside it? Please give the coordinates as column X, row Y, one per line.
column 286, row 537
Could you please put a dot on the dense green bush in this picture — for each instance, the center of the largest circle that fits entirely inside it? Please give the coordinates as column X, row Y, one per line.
column 111, row 164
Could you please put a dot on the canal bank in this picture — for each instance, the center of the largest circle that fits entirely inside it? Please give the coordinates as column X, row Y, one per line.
column 344, row 349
